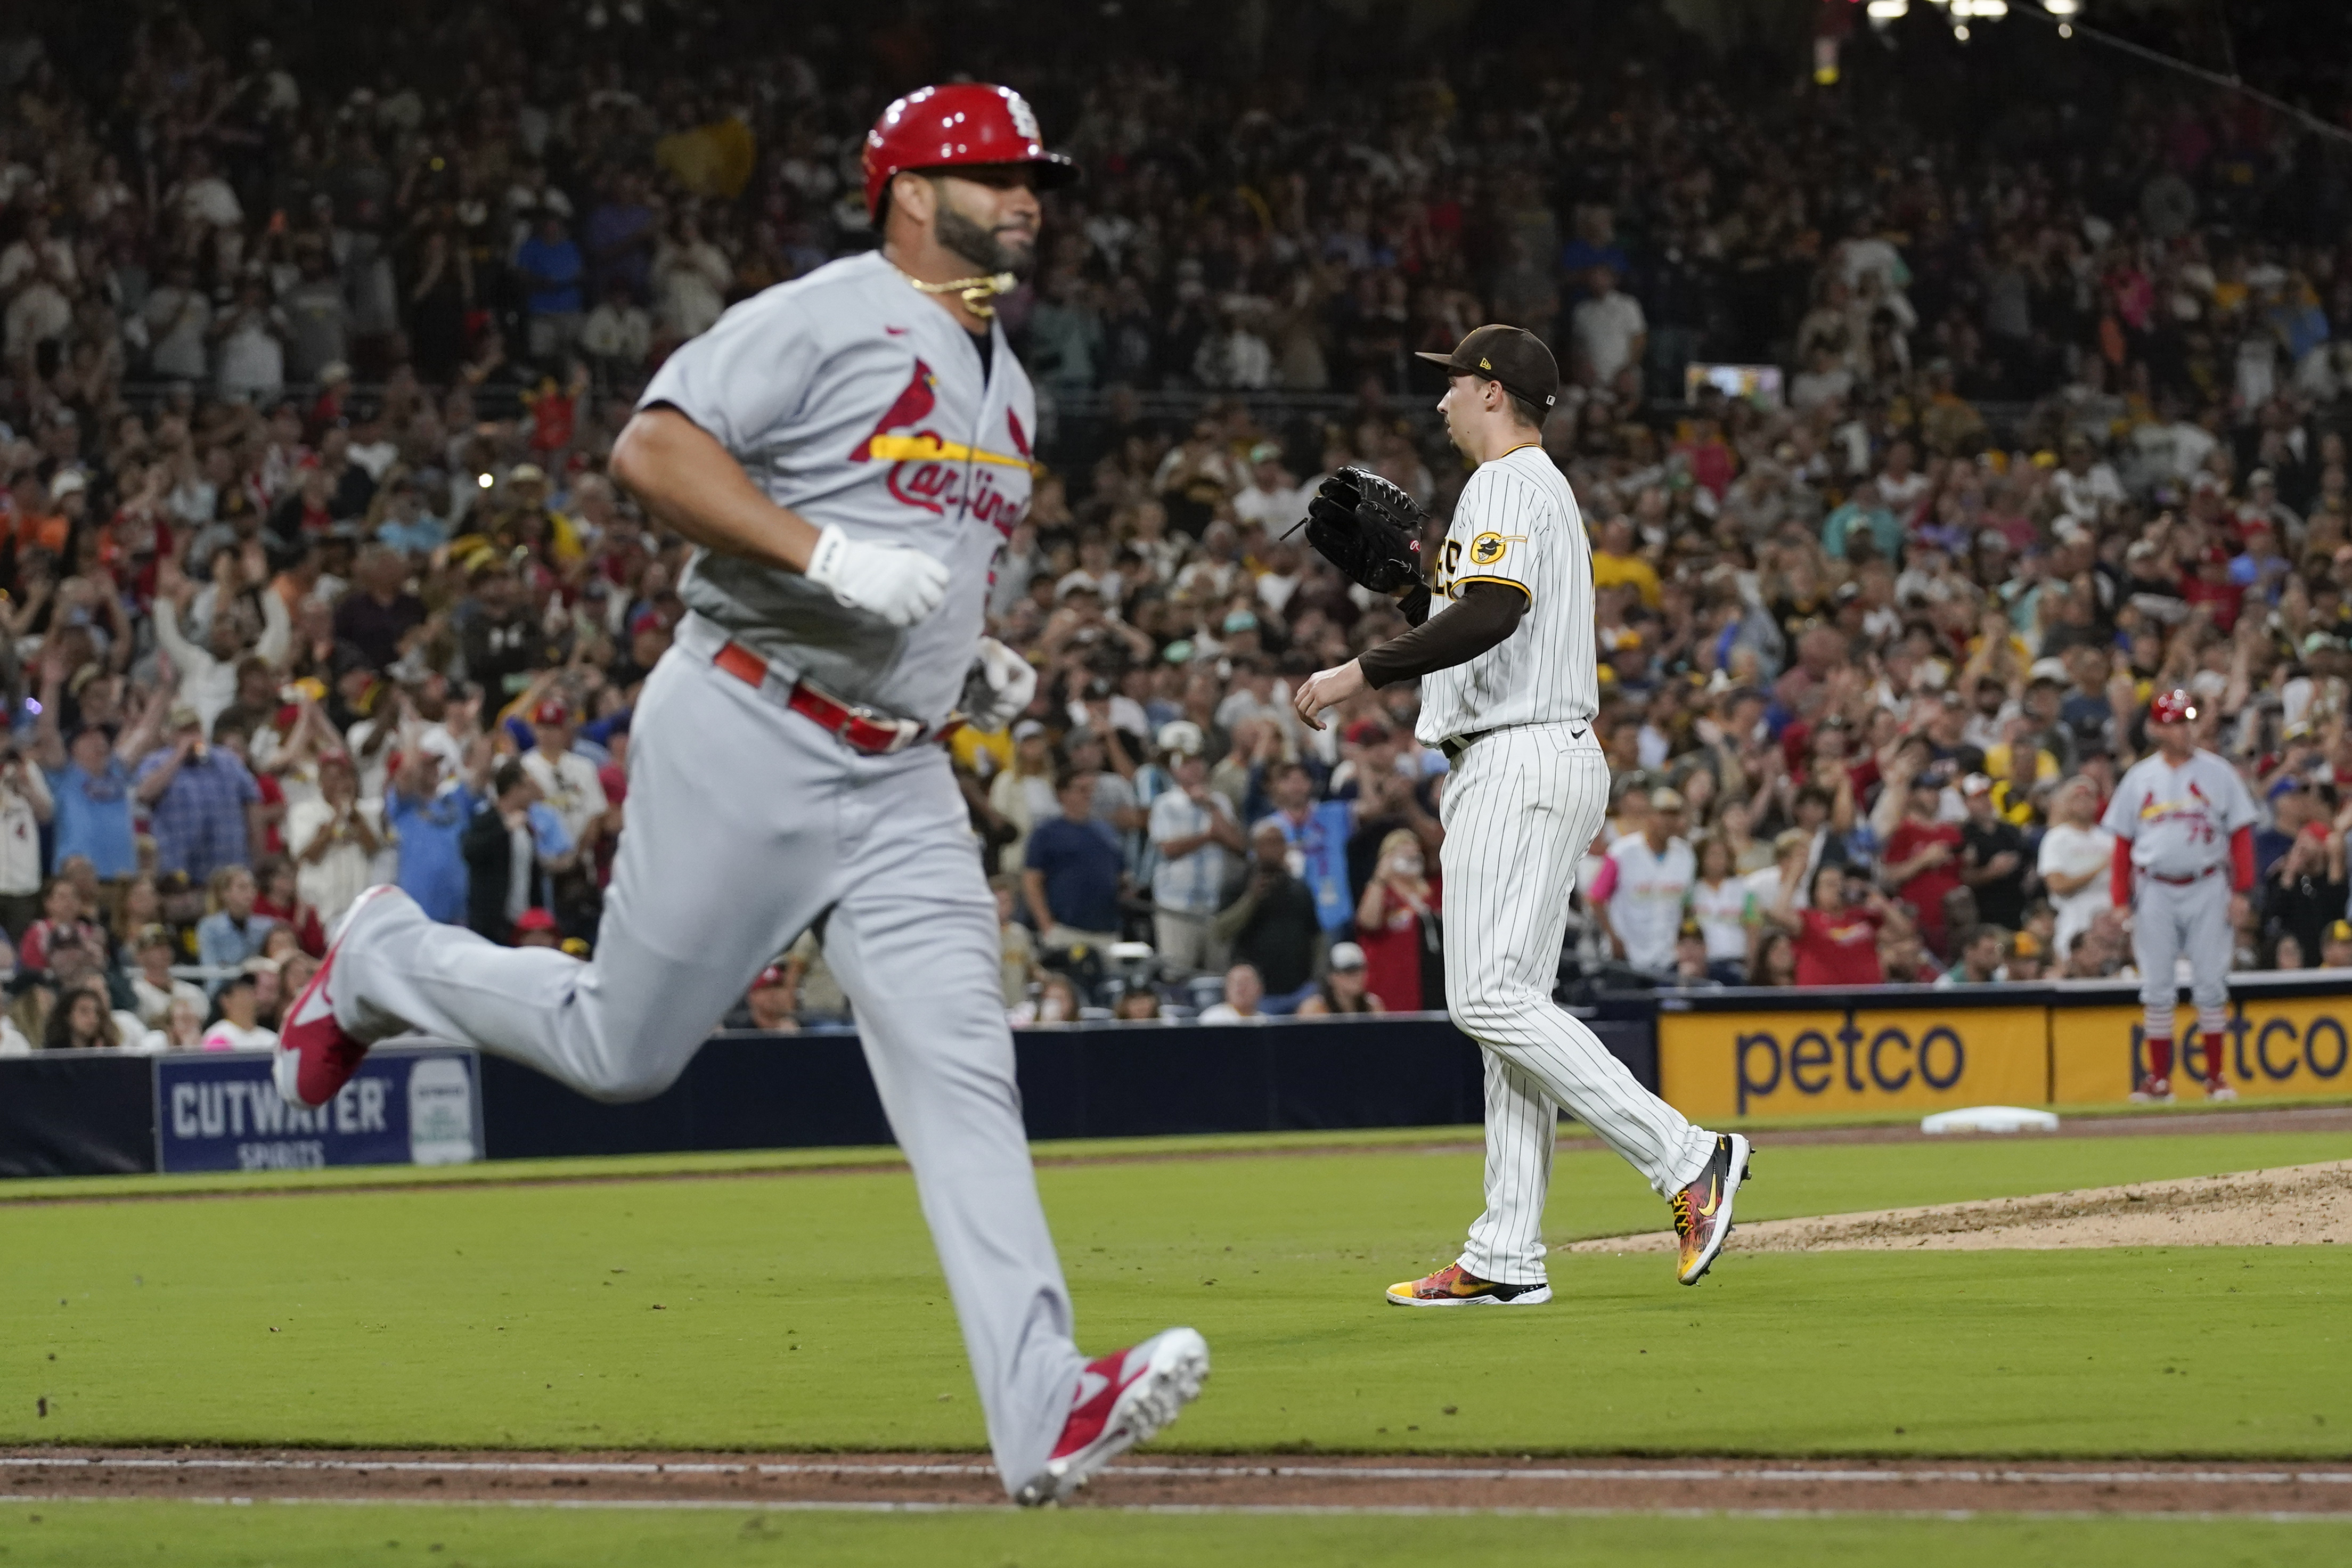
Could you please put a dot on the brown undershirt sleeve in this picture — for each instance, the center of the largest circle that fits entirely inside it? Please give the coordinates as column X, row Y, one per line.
column 1485, row 615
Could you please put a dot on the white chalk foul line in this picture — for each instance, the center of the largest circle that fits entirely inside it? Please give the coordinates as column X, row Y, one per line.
column 1979, row 1476
column 708, row 1505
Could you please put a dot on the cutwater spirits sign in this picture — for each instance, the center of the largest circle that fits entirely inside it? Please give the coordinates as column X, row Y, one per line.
column 406, row 1106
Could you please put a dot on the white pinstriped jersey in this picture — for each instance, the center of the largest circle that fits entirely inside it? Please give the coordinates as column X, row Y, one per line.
column 1518, row 523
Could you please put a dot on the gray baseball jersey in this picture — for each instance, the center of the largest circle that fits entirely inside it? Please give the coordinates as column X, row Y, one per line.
column 2179, row 820
column 1518, row 523
column 855, row 401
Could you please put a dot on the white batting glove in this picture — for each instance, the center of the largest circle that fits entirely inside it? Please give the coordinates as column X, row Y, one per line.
column 900, row 585
column 999, row 686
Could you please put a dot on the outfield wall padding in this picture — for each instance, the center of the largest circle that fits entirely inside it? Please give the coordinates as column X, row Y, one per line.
column 77, row 1114
column 1113, row 1080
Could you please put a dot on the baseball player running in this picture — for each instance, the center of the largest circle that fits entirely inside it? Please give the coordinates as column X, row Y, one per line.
column 2181, row 818
column 846, row 451
column 1508, row 691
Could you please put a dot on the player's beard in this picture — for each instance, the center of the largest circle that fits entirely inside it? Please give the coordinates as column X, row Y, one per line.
column 982, row 246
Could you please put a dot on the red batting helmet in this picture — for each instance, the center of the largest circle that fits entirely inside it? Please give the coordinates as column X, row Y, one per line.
column 2171, row 706
column 956, row 124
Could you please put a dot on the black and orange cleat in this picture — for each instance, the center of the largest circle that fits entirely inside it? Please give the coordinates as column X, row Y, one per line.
column 1454, row 1286
column 1703, row 1209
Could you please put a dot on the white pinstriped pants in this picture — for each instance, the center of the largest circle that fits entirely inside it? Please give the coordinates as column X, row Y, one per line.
column 1520, row 806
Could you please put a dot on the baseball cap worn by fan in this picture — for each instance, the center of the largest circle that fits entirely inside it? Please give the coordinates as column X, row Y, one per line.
column 1346, row 955
column 1512, row 356
column 1181, row 738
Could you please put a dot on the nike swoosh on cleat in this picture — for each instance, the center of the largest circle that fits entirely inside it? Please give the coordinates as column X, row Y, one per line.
column 1090, row 1387
column 315, row 1006
column 1714, row 1201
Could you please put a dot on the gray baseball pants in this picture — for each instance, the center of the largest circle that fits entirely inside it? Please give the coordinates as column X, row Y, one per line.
column 1519, row 808
column 747, row 824
column 2169, row 919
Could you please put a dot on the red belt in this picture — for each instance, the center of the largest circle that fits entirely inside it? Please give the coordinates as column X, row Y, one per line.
column 2183, row 881
column 860, row 730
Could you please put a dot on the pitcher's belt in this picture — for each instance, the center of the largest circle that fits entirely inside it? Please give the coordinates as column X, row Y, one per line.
column 859, row 729
column 1453, row 746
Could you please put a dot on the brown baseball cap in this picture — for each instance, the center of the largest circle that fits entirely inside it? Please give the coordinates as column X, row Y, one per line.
column 1512, row 356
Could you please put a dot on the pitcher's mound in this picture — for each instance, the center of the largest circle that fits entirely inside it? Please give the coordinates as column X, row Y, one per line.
column 2299, row 1205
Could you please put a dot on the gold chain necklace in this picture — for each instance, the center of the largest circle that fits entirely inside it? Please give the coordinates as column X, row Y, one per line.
column 976, row 291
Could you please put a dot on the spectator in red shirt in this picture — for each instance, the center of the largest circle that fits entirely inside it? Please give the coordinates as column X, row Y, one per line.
column 281, row 900
column 1923, row 860
column 2208, row 583
column 1836, row 943
column 1393, row 917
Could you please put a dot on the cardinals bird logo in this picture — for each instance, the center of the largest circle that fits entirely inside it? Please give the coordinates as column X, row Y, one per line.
column 933, row 473
column 913, row 405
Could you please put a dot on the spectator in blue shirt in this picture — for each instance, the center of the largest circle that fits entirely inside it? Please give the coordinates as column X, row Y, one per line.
column 90, row 781
column 233, row 932
column 201, row 804
column 1073, row 871
column 552, row 277
column 430, row 823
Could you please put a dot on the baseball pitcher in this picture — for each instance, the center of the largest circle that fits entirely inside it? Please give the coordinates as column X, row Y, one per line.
column 1509, row 688
column 2184, row 827
column 846, row 451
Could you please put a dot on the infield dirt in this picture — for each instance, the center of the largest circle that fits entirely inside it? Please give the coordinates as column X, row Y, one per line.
column 2297, row 1205
column 1241, row 1481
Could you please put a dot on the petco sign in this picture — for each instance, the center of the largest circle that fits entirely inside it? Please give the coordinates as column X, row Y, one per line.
column 2271, row 1049
column 1766, row 1064
column 222, row 1113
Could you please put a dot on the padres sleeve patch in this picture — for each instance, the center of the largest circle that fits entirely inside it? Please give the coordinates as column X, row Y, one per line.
column 1487, row 549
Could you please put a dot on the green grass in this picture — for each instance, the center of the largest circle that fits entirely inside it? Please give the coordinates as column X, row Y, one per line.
column 805, row 1311
column 108, row 1535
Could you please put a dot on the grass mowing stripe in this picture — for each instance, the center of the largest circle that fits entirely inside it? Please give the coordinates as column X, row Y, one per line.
column 107, row 1534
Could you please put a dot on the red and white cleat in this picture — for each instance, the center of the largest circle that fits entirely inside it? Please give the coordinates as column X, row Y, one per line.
column 315, row 1056
column 1122, row 1399
column 2152, row 1090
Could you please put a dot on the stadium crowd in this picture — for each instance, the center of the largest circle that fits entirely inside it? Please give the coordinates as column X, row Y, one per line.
column 314, row 576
